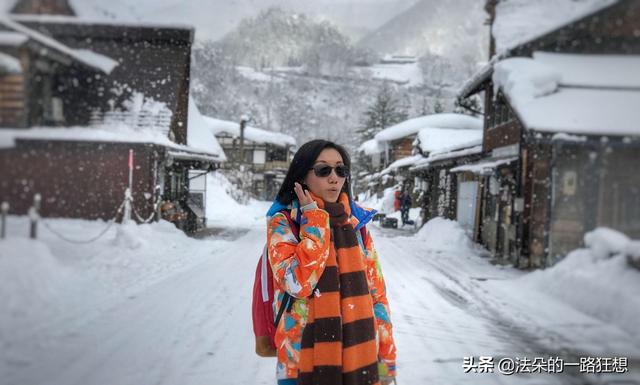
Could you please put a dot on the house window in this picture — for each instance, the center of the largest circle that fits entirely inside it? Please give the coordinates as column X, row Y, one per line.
column 375, row 161
column 277, row 154
column 500, row 112
column 259, row 156
column 57, row 110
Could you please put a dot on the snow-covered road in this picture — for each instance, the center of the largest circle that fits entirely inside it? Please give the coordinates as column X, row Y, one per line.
column 192, row 326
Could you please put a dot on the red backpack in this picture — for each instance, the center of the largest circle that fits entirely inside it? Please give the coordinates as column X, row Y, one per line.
column 264, row 322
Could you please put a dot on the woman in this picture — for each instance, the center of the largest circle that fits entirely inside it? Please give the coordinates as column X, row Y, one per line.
column 337, row 329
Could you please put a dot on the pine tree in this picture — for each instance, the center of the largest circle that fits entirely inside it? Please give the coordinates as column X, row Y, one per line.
column 424, row 108
column 438, row 108
column 384, row 112
column 469, row 106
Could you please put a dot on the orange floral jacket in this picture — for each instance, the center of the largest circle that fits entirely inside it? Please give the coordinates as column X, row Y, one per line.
column 297, row 266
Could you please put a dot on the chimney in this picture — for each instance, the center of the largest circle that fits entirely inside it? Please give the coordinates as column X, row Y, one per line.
column 490, row 7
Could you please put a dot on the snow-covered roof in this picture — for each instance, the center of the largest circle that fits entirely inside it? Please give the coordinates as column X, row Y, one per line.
column 371, row 147
column 413, row 126
column 9, row 64
column 484, row 166
column 439, row 140
column 63, row 19
column 615, row 71
column 12, row 39
column 117, row 133
column 407, row 161
column 253, row 134
column 200, row 135
column 86, row 57
column 445, row 155
column 560, row 93
column 520, row 21
column 400, row 163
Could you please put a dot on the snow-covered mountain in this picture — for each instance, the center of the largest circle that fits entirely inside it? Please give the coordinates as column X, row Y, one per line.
column 450, row 28
column 448, row 35
column 277, row 37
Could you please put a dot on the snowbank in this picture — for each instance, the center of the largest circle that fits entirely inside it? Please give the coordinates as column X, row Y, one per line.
column 445, row 235
column 224, row 211
column 50, row 287
column 597, row 280
column 382, row 205
column 32, row 283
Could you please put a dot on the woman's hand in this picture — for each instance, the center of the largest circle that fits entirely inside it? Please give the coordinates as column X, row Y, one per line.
column 303, row 195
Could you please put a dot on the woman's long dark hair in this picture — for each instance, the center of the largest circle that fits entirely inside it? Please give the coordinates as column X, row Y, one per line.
column 303, row 161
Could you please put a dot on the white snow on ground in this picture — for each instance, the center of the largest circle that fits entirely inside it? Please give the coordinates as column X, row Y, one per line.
column 224, row 211
column 148, row 305
column 408, row 74
column 251, row 74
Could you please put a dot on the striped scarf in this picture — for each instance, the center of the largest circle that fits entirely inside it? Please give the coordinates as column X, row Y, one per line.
column 339, row 340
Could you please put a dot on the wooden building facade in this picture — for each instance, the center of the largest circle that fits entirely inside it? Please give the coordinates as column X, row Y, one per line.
column 545, row 190
column 73, row 73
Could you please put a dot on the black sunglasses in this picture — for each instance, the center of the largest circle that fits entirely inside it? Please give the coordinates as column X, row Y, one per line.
column 324, row 170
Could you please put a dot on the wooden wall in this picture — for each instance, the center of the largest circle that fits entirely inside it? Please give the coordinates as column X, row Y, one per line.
column 12, row 100
column 75, row 179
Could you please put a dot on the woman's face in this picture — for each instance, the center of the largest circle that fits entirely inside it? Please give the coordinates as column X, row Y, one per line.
column 328, row 188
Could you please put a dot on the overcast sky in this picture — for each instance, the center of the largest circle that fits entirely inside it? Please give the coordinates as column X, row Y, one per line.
column 214, row 18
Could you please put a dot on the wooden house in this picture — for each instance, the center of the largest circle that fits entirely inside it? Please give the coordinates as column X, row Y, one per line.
column 258, row 159
column 84, row 95
column 559, row 160
column 395, row 150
